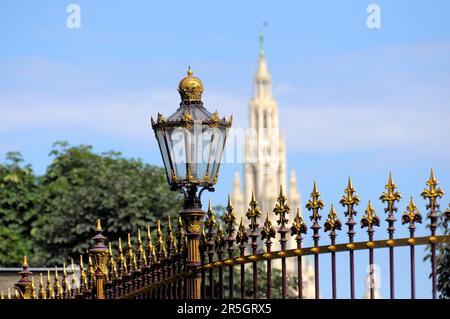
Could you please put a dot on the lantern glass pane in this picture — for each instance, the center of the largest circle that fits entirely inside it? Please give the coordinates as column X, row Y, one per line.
column 165, row 153
column 205, row 151
column 176, row 141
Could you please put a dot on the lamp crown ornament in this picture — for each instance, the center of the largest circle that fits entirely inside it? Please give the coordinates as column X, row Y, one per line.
column 190, row 87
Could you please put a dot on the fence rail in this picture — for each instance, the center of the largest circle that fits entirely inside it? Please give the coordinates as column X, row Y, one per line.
column 232, row 253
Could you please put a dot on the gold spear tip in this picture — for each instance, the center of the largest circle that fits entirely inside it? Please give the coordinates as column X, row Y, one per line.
column 390, row 182
column 81, row 261
column 129, row 239
column 229, row 200
column 253, row 195
column 139, row 235
column 25, row 261
column 209, row 206
column 120, row 243
column 64, row 269
column 159, row 225
column 350, row 184
column 41, row 281
column 99, row 225
column 148, row 231
column 315, row 187
column 281, row 190
column 56, row 273
column 370, row 207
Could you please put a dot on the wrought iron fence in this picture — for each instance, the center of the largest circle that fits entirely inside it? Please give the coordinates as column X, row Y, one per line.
column 159, row 269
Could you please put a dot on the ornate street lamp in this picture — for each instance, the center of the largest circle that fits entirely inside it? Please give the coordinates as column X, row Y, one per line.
column 192, row 141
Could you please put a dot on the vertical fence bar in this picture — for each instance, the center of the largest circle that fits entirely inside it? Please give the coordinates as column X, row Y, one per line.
column 220, row 246
column 332, row 224
column 432, row 194
column 314, row 205
column 299, row 227
column 242, row 238
column 350, row 199
column 230, row 220
column 210, row 223
column 203, row 249
column 181, row 249
column 391, row 196
column 281, row 209
column 369, row 220
column 267, row 233
column 253, row 214
column 412, row 216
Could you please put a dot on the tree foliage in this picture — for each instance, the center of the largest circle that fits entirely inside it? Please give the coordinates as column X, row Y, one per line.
column 19, row 199
column 51, row 217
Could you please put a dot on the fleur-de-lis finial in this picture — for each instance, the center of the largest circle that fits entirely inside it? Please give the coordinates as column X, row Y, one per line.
column 170, row 238
column 253, row 213
column 180, row 234
column 370, row 218
column 159, row 238
column 41, row 292
column 282, row 208
column 230, row 218
column 412, row 215
column 298, row 226
column 129, row 254
column 141, row 258
column 267, row 231
column 242, row 236
column 391, row 196
column 56, row 286
column 432, row 193
column 49, row 289
column 210, row 222
column 33, row 289
column 350, row 199
column 332, row 223
column 315, row 204
column 149, row 245
column 220, row 238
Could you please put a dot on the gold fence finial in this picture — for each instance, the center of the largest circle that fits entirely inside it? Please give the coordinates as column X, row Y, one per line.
column 282, row 208
column 253, row 213
column 25, row 261
column 298, row 226
column 41, row 293
column 241, row 236
column 370, row 218
column 390, row 196
column 332, row 223
column 412, row 215
column 315, row 204
column 220, row 238
column 99, row 225
column 56, row 286
column 267, row 231
column 49, row 289
column 350, row 199
column 230, row 219
column 432, row 193
column 33, row 289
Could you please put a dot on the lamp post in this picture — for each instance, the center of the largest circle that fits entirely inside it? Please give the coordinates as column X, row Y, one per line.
column 191, row 142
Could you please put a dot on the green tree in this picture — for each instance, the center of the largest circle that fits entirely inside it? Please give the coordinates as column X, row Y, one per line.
column 81, row 186
column 19, row 198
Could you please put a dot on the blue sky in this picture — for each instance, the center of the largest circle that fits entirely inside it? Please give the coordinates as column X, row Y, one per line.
column 352, row 100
